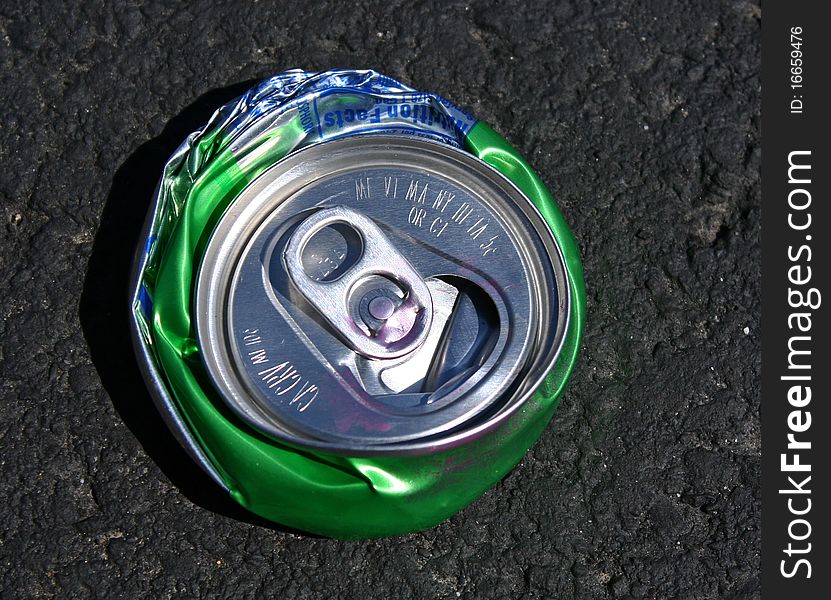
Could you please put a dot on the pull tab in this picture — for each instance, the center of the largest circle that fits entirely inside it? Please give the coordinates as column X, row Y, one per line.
column 393, row 323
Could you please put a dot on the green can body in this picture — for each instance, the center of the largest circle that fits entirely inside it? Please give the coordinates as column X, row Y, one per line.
column 308, row 489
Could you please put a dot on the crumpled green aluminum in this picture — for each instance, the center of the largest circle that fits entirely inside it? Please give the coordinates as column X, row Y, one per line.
column 326, row 494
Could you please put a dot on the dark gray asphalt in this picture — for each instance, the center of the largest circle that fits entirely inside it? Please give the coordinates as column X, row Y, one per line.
column 643, row 118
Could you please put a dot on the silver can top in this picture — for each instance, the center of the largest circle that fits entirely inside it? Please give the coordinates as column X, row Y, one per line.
column 379, row 294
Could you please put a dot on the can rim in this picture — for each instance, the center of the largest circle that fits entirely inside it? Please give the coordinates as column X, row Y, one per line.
column 295, row 164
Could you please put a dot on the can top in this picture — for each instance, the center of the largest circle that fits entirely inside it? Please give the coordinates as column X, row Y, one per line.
column 380, row 293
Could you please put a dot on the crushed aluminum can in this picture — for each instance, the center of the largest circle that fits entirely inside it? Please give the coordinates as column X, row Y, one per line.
column 356, row 305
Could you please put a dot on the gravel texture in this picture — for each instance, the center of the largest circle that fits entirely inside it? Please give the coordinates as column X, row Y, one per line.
column 643, row 120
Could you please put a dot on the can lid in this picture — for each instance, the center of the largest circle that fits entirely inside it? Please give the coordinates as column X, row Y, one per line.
column 379, row 293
